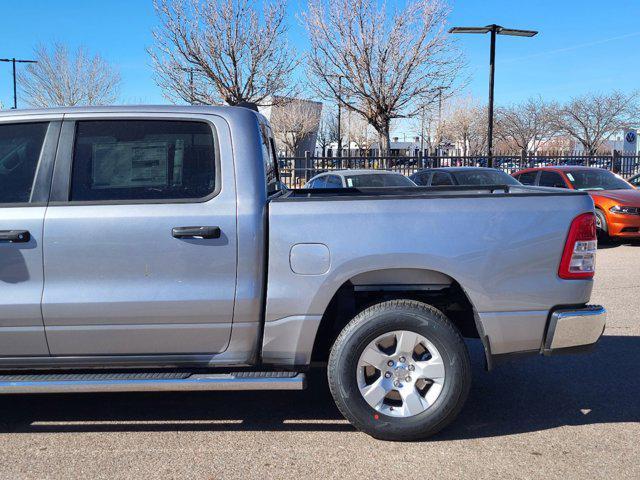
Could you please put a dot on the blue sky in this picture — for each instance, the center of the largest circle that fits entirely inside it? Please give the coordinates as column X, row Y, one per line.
column 583, row 45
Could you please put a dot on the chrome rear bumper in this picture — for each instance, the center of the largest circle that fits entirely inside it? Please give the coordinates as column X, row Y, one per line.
column 571, row 328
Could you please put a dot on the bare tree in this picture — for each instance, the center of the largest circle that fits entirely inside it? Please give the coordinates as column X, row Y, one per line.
column 358, row 131
column 591, row 119
column 379, row 63
column 62, row 78
column 294, row 121
column 528, row 125
column 465, row 125
column 233, row 53
column 328, row 130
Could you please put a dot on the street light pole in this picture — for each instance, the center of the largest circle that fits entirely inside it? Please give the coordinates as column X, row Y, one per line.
column 339, row 116
column 494, row 30
column 492, row 71
column 13, row 62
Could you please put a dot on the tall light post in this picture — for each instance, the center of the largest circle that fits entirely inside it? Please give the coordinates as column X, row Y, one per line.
column 13, row 61
column 494, row 30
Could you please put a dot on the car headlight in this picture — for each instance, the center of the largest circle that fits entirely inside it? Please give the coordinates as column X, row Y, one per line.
column 625, row 210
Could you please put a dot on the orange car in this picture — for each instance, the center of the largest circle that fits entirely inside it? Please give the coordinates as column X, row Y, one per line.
column 617, row 202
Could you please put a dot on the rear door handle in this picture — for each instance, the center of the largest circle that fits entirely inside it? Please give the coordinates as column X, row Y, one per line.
column 15, row 236
column 196, row 232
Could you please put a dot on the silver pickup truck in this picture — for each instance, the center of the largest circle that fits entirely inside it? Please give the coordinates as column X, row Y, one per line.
column 153, row 248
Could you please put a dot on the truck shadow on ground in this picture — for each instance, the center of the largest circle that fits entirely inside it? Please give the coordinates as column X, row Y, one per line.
column 526, row 395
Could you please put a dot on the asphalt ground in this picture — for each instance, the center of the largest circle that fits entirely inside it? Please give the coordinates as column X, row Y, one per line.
column 558, row 417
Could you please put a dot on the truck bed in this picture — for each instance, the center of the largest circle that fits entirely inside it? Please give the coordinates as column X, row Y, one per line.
column 501, row 244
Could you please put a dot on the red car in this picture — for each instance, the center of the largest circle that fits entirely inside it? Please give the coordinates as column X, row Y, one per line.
column 617, row 202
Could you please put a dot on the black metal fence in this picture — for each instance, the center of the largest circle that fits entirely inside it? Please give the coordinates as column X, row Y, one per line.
column 296, row 171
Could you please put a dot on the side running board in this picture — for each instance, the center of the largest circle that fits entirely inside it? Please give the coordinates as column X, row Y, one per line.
column 148, row 382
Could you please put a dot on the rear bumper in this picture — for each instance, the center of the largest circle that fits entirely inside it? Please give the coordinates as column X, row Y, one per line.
column 574, row 329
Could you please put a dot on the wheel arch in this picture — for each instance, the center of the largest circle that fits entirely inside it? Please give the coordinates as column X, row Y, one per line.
column 377, row 285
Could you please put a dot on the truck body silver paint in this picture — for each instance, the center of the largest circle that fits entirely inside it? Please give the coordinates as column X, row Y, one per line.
column 503, row 250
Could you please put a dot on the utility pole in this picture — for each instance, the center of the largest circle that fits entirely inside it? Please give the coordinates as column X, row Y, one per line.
column 493, row 30
column 439, row 127
column 339, row 115
column 13, row 62
column 422, row 129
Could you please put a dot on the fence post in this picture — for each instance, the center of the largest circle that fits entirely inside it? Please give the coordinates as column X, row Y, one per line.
column 615, row 168
column 307, row 163
column 523, row 158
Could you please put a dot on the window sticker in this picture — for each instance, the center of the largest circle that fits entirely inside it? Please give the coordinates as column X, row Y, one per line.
column 350, row 182
column 570, row 177
column 130, row 164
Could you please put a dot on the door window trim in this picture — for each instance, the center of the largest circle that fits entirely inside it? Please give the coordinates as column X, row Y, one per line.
column 41, row 185
column 63, row 168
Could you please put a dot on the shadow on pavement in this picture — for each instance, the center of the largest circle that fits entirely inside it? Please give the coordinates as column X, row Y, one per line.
column 606, row 244
column 533, row 394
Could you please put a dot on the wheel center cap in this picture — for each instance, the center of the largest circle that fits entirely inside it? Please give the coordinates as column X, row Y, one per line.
column 400, row 371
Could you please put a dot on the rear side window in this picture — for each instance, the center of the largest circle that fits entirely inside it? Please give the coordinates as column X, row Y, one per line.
column 551, row 179
column 20, row 147
column 142, row 160
column 269, row 159
column 528, row 178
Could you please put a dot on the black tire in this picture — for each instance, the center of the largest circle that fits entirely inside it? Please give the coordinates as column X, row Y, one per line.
column 378, row 320
column 603, row 230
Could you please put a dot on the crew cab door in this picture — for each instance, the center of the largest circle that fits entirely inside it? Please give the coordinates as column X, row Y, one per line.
column 27, row 149
column 140, row 237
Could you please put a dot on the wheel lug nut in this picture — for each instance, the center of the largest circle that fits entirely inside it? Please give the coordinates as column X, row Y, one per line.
column 387, row 375
column 402, row 359
column 412, row 368
column 390, row 363
column 408, row 379
column 397, row 384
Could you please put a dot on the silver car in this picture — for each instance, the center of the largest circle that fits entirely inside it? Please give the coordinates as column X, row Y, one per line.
column 359, row 179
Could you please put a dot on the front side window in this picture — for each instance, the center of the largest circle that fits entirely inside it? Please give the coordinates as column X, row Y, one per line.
column 440, row 178
column 142, row 160
column 375, row 180
column 421, row 178
column 484, row 177
column 319, row 182
column 20, row 147
column 334, row 182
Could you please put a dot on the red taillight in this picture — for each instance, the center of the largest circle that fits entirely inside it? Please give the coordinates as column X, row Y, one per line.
column 579, row 257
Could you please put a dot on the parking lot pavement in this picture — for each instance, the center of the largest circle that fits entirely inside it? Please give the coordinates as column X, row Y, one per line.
column 561, row 417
